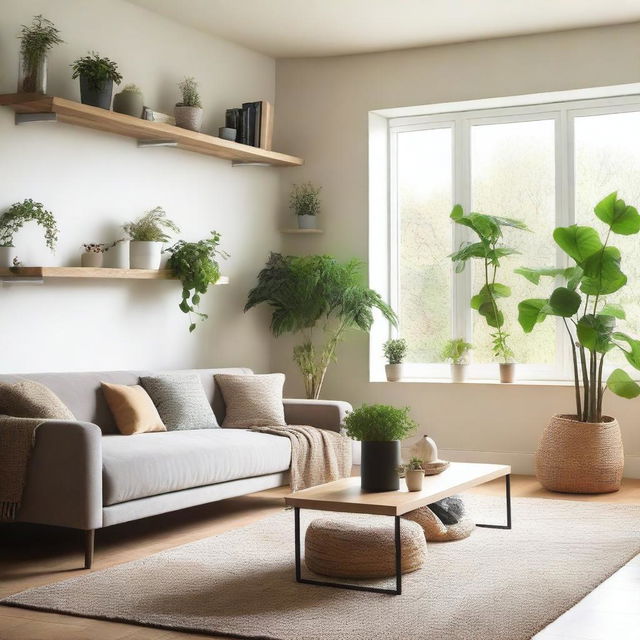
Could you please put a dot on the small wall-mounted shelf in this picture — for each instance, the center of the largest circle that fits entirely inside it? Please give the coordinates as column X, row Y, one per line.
column 91, row 272
column 301, row 231
column 30, row 107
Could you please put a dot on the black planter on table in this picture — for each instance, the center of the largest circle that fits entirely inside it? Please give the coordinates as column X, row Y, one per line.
column 96, row 97
column 379, row 466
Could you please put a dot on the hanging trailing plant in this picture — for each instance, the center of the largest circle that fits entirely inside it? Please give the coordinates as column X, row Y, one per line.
column 196, row 265
column 20, row 213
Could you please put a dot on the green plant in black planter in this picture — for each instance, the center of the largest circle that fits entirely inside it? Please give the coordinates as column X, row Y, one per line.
column 196, row 265
column 97, row 76
column 36, row 40
column 380, row 428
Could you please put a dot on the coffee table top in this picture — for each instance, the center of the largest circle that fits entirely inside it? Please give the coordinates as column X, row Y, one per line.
column 346, row 495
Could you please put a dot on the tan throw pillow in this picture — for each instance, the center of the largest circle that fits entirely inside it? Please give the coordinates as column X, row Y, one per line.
column 132, row 409
column 252, row 400
column 29, row 399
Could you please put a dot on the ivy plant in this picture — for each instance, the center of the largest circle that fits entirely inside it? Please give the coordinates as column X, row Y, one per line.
column 196, row 265
column 583, row 303
column 20, row 213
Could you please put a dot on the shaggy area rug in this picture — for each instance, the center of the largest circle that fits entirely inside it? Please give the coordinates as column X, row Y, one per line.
column 494, row 585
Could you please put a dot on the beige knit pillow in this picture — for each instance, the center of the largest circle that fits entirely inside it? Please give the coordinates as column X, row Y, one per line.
column 252, row 400
column 132, row 409
column 29, row 399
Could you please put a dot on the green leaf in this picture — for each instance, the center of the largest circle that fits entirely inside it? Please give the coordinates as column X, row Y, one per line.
column 564, row 302
column 457, row 213
column 633, row 354
column 577, row 242
column 602, row 274
column 494, row 318
column 594, row 332
column 622, row 385
column 574, row 276
column 614, row 310
column 498, row 290
column 531, row 312
column 192, row 327
column 622, row 219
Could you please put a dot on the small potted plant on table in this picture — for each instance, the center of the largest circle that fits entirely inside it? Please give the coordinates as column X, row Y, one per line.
column 97, row 77
column 380, row 428
column 304, row 200
column 188, row 113
column 456, row 351
column 35, row 41
column 148, row 234
column 394, row 351
column 413, row 473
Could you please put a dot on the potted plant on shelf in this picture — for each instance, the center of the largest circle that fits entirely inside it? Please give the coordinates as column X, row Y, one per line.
column 148, row 234
column 304, row 200
column 413, row 473
column 311, row 295
column 195, row 264
column 456, row 351
column 582, row 452
column 15, row 218
column 380, row 428
column 188, row 112
column 129, row 101
column 394, row 351
column 93, row 255
column 489, row 251
column 35, row 42
column 97, row 77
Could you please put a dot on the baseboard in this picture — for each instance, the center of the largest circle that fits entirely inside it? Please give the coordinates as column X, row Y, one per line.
column 520, row 462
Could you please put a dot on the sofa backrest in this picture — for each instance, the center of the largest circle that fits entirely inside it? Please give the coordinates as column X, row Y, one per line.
column 81, row 391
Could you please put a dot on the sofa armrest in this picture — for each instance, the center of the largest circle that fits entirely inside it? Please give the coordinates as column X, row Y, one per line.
column 64, row 478
column 326, row 414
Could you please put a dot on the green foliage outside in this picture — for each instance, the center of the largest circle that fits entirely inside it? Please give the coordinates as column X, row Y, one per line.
column 153, row 226
column 320, row 298
column 304, row 199
column 20, row 213
column 190, row 96
column 583, row 304
column 36, row 40
column 456, row 351
column 195, row 264
column 379, row 423
column 98, row 71
column 395, row 350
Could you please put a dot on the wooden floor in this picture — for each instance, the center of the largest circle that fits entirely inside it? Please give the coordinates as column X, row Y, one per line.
column 32, row 556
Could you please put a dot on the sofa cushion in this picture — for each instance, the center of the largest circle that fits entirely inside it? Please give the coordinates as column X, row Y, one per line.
column 30, row 399
column 154, row 463
column 132, row 409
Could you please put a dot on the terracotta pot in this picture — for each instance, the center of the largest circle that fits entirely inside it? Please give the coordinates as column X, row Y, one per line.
column 458, row 372
column 414, row 479
column 394, row 372
column 580, row 457
column 507, row 372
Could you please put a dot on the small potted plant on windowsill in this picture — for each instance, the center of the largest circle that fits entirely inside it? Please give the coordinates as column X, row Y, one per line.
column 304, row 200
column 188, row 112
column 97, row 77
column 35, row 41
column 148, row 234
column 394, row 351
column 380, row 428
column 456, row 351
column 413, row 473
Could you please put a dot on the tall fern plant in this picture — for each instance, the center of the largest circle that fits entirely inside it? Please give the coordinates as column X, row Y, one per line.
column 321, row 299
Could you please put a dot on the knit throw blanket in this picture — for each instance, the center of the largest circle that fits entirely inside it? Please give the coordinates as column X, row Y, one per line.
column 16, row 442
column 317, row 455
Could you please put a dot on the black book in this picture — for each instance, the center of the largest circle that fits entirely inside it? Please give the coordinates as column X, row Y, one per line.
column 233, row 120
column 252, row 115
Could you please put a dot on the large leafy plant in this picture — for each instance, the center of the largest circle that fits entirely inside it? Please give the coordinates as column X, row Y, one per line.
column 583, row 304
column 488, row 250
column 314, row 295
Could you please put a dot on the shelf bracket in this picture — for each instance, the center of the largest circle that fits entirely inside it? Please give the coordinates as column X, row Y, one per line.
column 20, row 280
column 239, row 163
column 26, row 118
column 157, row 143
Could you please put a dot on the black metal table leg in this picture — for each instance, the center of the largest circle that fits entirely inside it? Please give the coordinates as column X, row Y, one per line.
column 296, row 511
column 507, row 487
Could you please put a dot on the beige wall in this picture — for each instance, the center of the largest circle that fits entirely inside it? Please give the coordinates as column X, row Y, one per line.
column 322, row 116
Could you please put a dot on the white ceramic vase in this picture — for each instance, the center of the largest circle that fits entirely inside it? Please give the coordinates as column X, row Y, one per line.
column 7, row 255
column 426, row 449
column 414, row 479
column 306, row 222
column 92, row 259
column 458, row 372
column 145, row 254
column 118, row 256
column 394, row 372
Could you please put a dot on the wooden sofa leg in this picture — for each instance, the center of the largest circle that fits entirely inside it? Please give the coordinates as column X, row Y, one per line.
column 89, row 539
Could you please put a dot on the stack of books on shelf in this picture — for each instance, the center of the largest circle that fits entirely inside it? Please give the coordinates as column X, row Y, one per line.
column 253, row 123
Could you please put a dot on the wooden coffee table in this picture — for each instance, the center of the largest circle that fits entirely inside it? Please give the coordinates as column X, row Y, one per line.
column 346, row 496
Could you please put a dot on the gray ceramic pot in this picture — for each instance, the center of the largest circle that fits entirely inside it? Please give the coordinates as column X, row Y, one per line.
column 129, row 103
column 96, row 97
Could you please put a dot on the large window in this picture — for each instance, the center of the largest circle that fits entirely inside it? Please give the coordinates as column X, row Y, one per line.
column 547, row 164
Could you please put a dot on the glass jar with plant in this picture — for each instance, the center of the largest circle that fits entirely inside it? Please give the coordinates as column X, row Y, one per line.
column 313, row 295
column 394, row 351
column 36, row 40
column 15, row 218
column 380, row 428
column 413, row 473
column 196, row 265
column 456, row 351
column 489, row 251
column 582, row 452
column 304, row 200
column 97, row 77
column 148, row 234
column 188, row 112
column 129, row 101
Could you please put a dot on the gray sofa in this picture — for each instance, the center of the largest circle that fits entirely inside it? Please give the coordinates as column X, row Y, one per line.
column 86, row 476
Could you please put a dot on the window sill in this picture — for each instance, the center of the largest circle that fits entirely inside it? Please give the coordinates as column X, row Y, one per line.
column 517, row 383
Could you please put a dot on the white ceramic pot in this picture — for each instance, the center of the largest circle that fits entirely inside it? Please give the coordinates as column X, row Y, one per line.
column 118, row 257
column 145, row 255
column 188, row 117
column 426, row 449
column 92, row 259
column 507, row 372
column 458, row 372
column 414, row 479
column 7, row 254
column 306, row 222
column 394, row 372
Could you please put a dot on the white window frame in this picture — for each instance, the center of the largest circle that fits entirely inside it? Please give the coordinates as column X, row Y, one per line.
column 384, row 126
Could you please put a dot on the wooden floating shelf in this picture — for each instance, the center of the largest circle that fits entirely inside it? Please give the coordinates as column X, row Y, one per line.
column 301, row 231
column 92, row 272
column 71, row 112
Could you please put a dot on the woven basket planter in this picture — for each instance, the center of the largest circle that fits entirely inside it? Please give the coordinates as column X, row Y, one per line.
column 580, row 457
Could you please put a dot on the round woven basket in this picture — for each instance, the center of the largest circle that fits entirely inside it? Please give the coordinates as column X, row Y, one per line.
column 580, row 457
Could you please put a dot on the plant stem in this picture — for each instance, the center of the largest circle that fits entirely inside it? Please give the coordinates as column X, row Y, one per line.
column 593, row 386
column 600, row 388
column 585, row 384
column 494, row 304
column 604, row 246
column 575, row 370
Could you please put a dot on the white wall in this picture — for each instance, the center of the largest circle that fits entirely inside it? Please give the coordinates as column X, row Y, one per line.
column 322, row 116
column 94, row 182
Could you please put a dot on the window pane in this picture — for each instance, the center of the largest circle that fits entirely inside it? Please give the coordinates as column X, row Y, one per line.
column 513, row 175
column 424, row 204
column 607, row 158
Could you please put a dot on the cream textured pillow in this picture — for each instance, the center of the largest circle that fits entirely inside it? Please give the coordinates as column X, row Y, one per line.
column 132, row 409
column 29, row 399
column 252, row 400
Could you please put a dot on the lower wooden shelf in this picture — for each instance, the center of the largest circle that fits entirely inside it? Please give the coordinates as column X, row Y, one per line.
column 92, row 272
column 301, row 231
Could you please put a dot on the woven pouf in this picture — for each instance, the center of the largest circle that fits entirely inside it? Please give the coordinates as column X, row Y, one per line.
column 343, row 548
column 435, row 530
